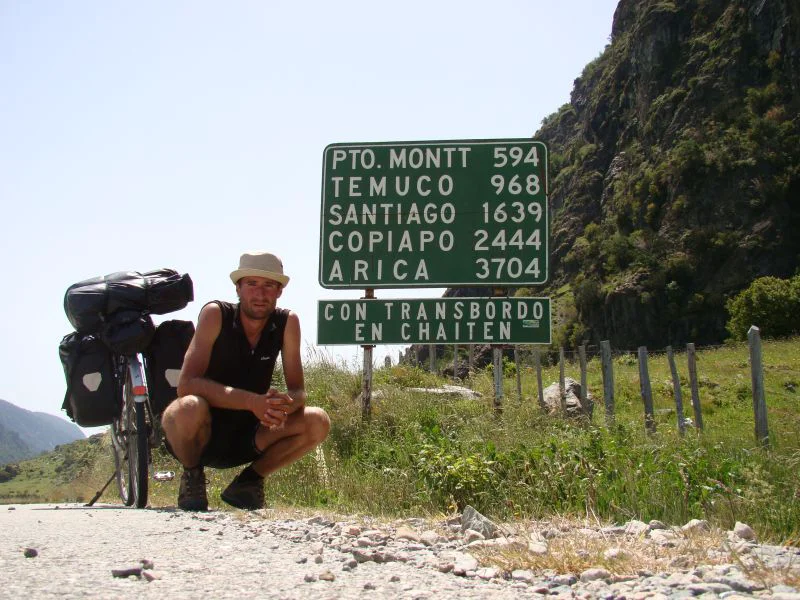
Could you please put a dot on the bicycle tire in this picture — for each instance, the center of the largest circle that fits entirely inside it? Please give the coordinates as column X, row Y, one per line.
column 142, row 471
column 137, row 443
column 119, row 442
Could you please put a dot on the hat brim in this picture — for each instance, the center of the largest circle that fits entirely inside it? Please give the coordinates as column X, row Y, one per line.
column 279, row 277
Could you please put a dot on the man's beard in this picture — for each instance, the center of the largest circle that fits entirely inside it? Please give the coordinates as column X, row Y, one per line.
column 260, row 314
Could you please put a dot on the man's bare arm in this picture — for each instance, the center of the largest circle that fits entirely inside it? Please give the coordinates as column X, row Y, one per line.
column 292, row 363
column 295, row 397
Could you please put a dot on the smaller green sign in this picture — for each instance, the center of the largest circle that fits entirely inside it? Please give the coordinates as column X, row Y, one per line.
column 434, row 321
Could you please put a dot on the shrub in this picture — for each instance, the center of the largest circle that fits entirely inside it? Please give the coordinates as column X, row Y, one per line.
column 770, row 303
column 8, row 472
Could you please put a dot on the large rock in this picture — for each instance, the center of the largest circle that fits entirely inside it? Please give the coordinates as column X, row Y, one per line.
column 552, row 399
column 472, row 519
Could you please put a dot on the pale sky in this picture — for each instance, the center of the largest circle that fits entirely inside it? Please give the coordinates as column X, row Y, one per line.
column 142, row 135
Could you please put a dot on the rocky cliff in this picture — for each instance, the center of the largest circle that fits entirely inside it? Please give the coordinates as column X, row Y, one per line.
column 675, row 170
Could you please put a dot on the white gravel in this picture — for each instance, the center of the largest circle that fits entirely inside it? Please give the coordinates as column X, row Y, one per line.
column 214, row 555
column 70, row 551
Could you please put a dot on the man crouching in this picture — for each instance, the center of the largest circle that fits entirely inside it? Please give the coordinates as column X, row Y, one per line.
column 227, row 413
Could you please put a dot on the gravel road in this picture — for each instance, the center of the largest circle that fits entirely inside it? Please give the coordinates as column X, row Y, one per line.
column 215, row 554
column 70, row 551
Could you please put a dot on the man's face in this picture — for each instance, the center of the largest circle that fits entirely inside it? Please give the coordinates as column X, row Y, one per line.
column 258, row 296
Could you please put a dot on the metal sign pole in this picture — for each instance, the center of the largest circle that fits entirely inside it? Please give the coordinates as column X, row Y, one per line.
column 497, row 362
column 366, row 381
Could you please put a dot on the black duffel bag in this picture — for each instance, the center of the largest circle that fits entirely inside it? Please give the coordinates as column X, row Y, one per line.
column 128, row 332
column 89, row 303
column 91, row 399
column 164, row 359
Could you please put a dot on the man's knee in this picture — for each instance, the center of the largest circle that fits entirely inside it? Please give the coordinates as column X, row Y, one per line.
column 318, row 423
column 186, row 416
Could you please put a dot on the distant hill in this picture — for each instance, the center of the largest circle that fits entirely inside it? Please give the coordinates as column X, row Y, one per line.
column 24, row 434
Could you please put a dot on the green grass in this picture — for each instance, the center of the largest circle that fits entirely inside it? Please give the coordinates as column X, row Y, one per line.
column 64, row 475
column 427, row 455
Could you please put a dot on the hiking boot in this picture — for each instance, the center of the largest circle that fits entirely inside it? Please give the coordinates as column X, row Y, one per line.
column 247, row 494
column 192, row 493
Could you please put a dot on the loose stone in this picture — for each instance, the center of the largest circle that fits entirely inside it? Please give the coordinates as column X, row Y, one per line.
column 696, row 525
column 470, row 535
column 595, row 574
column 744, row 531
column 429, row 538
column 406, row 533
column 523, row 575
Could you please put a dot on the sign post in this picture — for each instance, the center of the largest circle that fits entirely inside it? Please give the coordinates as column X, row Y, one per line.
column 458, row 213
column 366, row 383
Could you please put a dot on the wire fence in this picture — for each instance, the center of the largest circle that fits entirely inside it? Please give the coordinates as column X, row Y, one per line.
column 642, row 355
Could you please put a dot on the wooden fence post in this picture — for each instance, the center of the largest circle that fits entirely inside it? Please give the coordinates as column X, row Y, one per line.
column 698, row 414
column 538, row 365
column 608, row 381
column 676, row 388
column 647, row 392
column 562, row 389
column 519, row 372
column 584, row 391
column 757, row 378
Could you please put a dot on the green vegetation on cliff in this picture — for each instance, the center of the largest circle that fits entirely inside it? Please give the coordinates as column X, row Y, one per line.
column 675, row 170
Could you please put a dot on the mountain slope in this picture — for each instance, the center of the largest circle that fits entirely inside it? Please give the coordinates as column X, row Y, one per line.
column 24, row 434
column 675, row 170
column 12, row 448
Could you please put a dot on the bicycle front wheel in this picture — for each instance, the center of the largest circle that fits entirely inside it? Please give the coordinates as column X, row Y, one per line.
column 137, row 443
column 119, row 442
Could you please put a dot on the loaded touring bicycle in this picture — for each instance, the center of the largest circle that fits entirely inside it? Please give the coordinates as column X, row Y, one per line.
column 121, row 369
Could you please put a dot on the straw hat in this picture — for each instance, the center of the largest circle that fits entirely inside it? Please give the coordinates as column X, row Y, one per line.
column 260, row 264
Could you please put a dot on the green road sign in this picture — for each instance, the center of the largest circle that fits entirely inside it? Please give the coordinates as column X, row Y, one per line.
column 434, row 321
column 434, row 214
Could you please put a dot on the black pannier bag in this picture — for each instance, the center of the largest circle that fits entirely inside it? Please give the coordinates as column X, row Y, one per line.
column 164, row 358
column 91, row 398
column 88, row 303
column 128, row 332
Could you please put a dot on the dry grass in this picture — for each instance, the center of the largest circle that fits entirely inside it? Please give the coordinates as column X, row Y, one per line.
column 573, row 547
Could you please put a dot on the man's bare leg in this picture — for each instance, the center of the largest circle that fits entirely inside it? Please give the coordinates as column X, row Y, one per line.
column 187, row 426
column 302, row 432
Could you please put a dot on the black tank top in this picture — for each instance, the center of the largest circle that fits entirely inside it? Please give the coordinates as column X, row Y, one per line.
column 233, row 362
